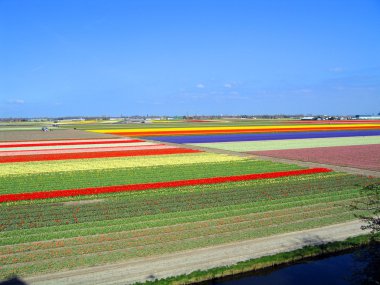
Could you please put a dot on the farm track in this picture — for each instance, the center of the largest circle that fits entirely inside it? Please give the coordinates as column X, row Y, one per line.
column 148, row 268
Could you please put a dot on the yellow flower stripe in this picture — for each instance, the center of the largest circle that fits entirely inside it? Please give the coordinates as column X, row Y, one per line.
column 111, row 163
column 316, row 126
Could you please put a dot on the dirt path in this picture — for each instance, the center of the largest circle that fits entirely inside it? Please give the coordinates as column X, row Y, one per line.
column 143, row 269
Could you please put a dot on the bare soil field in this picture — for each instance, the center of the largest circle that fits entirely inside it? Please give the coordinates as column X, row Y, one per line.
column 8, row 136
column 358, row 156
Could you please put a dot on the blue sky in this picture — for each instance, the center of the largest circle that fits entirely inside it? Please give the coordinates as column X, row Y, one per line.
column 109, row 57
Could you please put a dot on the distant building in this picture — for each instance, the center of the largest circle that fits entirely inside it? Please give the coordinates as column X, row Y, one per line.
column 367, row 117
column 309, row 118
column 133, row 121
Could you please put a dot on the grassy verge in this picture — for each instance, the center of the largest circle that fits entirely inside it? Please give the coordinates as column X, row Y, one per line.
column 268, row 261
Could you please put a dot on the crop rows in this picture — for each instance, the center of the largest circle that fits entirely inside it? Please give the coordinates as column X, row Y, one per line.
column 162, row 234
column 359, row 156
column 121, row 176
column 7, row 169
column 261, row 136
column 244, row 146
column 143, row 205
column 102, row 227
column 173, row 239
column 236, row 129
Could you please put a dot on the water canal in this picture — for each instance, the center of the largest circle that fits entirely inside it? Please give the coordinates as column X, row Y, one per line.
column 360, row 266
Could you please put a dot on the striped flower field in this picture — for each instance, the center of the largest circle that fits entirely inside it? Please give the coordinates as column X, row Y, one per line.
column 68, row 204
column 246, row 146
column 262, row 137
column 238, row 129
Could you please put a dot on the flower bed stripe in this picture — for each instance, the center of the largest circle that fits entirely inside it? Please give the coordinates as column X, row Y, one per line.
column 168, row 132
column 117, row 163
column 231, row 128
column 81, row 150
column 45, row 157
column 245, row 146
column 76, row 142
column 82, row 146
column 358, row 156
column 260, row 137
column 157, row 185
column 335, row 122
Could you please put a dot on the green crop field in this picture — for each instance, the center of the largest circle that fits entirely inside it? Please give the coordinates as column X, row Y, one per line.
column 36, row 235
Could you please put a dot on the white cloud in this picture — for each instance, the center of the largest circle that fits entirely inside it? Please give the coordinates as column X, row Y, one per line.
column 228, row 85
column 200, row 86
column 337, row 69
column 304, row 91
column 36, row 68
column 16, row 101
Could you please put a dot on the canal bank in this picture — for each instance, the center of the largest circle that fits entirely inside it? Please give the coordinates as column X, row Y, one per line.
column 355, row 266
column 248, row 272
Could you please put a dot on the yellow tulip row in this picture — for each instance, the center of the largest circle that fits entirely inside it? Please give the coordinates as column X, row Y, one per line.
column 111, row 163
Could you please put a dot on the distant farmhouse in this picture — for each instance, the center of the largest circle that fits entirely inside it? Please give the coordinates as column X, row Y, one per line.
column 320, row 118
column 310, row 118
column 367, row 117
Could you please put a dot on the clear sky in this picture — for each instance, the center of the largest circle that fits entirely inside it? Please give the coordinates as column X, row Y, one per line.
column 113, row 57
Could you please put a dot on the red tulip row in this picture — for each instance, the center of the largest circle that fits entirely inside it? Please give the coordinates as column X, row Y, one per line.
column 157, row 185
column 100, row 154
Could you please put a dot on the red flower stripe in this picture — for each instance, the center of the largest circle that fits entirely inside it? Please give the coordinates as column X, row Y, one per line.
column 45, row 157
column 56, row 143
column 157, row 185
column 192, row 132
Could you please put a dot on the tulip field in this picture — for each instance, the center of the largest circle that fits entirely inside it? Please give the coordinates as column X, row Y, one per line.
column 75, row 203
column 351, row 143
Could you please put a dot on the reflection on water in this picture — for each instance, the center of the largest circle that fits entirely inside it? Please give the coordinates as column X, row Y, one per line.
column 369, row 271
column 361, row 266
